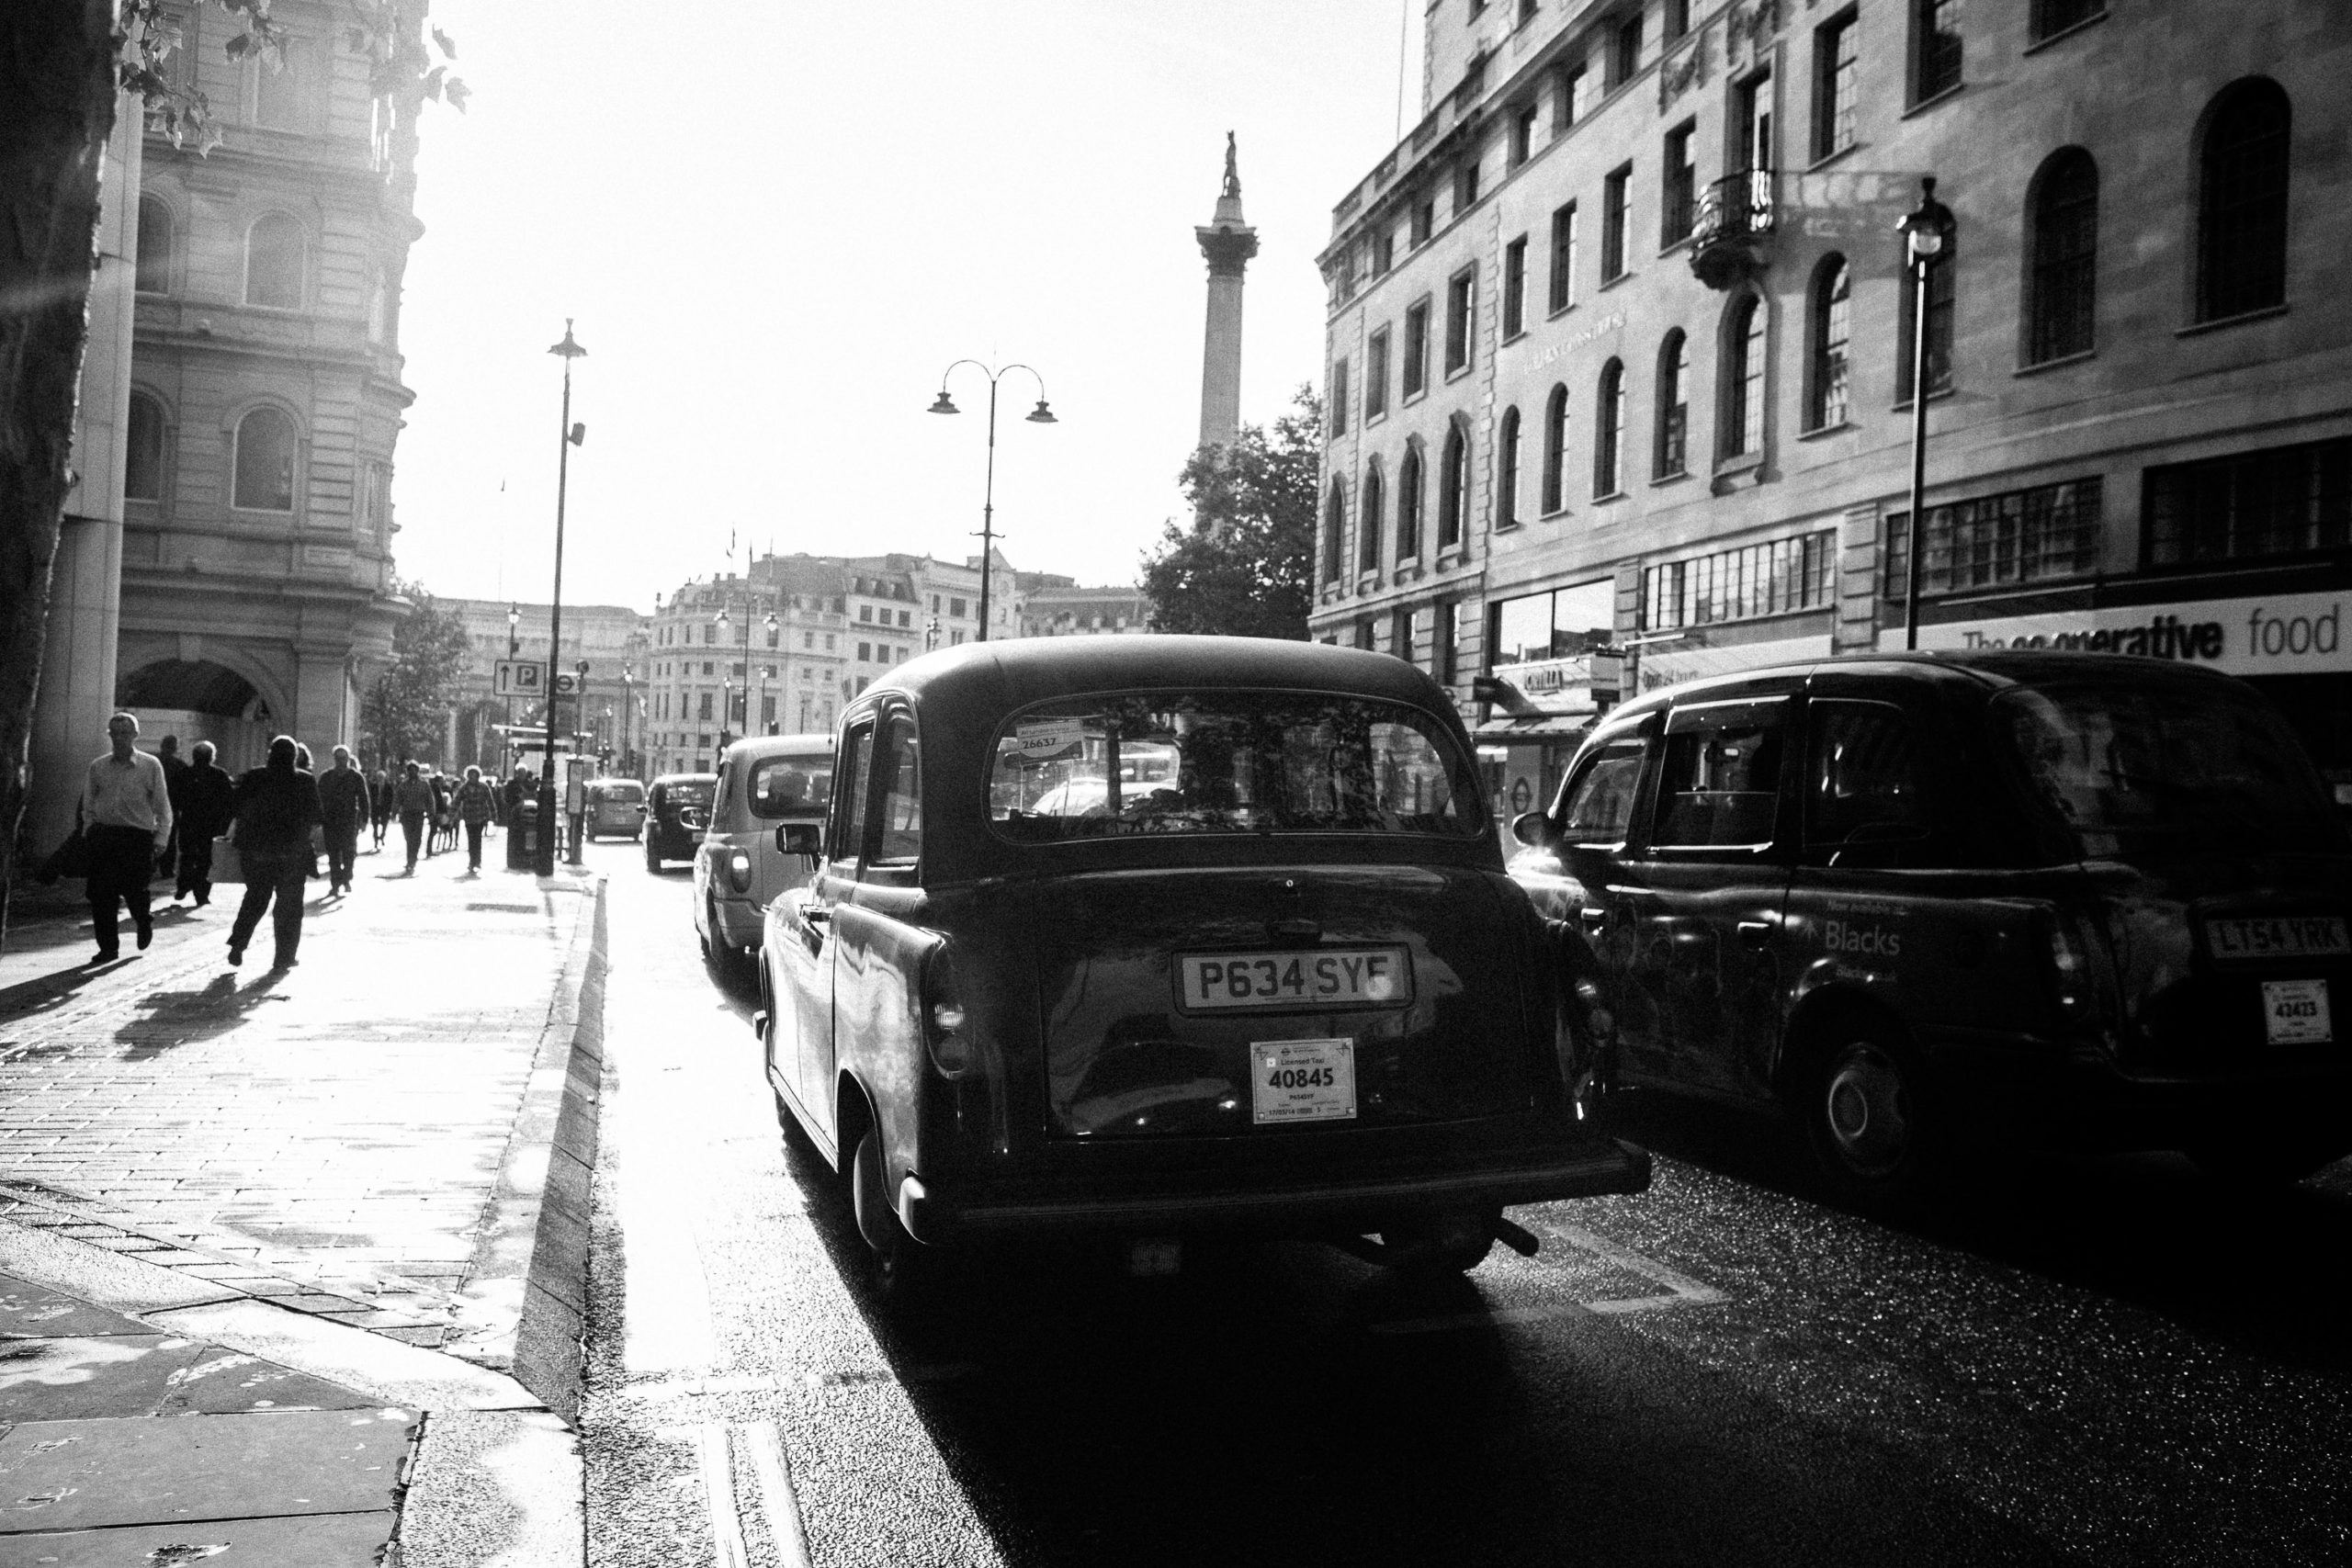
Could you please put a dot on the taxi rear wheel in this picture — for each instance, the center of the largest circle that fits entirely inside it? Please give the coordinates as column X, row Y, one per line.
column 1869, row 1120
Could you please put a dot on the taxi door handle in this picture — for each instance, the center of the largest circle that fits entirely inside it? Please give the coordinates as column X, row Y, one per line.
column 817, row 914
column 1593, row 920
column 1755, row 933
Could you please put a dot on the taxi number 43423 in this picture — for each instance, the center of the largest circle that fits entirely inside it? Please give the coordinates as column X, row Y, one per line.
column 1351, row 978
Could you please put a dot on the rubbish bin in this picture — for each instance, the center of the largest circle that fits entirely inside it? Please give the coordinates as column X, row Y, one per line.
column 523, row 836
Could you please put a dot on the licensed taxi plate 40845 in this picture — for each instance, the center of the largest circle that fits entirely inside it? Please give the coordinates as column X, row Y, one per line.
column 1367, row 977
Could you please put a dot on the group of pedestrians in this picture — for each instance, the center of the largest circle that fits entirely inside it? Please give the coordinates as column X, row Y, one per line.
column 147, row 814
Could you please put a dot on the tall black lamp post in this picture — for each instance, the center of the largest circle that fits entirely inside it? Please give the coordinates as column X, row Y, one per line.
column 1927, row 231
column 1041, row 414
column 571, row 436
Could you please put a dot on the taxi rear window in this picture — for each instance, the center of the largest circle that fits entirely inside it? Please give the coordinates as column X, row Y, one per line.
column 695, row 796
column 1229, row 761
column 2146, row 769
column 791, row 786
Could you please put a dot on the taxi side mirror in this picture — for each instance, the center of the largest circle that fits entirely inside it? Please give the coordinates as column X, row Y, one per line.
column 800, row 838
column 1534, row 828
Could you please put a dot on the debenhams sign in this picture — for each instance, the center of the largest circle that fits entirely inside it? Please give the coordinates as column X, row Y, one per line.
column 2300, row 634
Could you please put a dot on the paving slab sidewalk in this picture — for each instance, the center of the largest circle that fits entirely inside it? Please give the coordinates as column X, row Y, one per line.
column 359, row 1184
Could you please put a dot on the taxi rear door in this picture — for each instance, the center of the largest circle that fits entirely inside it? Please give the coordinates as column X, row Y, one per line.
column 1696, row 905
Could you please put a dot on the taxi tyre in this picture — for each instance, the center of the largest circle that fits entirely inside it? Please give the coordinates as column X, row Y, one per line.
column 1869, row 1117
column 906, row 1273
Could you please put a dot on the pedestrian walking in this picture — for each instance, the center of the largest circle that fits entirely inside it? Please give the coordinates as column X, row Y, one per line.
column 437, row 824
column 211, row 797
column 276, row 806
column 474, row 803
column 380, row 793
column 167, row 751
column 343, row 809
column 126, row 822
column 413, row 798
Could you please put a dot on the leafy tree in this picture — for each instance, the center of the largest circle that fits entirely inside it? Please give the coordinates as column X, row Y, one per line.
column 65, row 67
column 1245, row 565
column 408, row 709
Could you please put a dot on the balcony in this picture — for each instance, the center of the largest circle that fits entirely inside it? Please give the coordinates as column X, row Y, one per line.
column 1731, row 234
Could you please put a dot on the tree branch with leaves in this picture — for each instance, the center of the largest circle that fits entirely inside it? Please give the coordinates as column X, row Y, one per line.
column 1245, row 565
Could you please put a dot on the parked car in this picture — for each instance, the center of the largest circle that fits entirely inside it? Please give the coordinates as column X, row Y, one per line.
column 2042, row 896
column 677, row 809
column 1286, row 987
column 762, row 782
column 616, row 806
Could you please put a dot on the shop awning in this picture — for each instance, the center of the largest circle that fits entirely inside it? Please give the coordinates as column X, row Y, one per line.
column 1502, row 729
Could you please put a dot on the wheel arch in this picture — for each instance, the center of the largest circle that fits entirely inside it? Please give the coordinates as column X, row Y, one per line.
column 1823, row 1019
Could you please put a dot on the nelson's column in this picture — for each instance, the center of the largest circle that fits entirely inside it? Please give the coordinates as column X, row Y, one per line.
column 1228, row 242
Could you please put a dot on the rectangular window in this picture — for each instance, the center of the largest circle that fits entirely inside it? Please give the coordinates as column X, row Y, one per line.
column 1515, row 288
column 1460, row 296
column 702, row 708
column 1719, row 781
column 1424, row 218
column 865, row 612
column 1339, row 398
column 1400, row 633
column 1522, row 133
column 2288, row 501
column 1375, row 375
column 1740, row 585
column 1837, row 79
column 1416, row 349
column 1935, row 48
column 2042, row 535
column 865, row 654
column 2052, row 17
column 1625, row 51
column 1445, row 644
column 1568, row 108
column 1564, row 258
column 1616, row 209
column 1466, row 186
column 899, row 843
column 905, row 619
column 954, row 606
column 1678, row 201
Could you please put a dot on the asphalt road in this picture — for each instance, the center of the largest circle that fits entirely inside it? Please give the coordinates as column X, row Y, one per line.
column 2096, row 1361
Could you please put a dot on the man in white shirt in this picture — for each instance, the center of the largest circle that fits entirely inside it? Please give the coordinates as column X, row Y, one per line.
column 126, row 822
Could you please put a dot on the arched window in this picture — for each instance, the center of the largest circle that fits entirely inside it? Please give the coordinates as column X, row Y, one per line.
column 274, row 261
column 1454, row 487
column 1829, row 330
column 155, row 271
column 1555, row 450
column 1608, row 432
column 1671, row 455
column 1507, row 472
column 2242, row 202
column 1335, row 521
column 264, row 462
column 1742, row 389
column 142, row 463
column 1408, row 506
column 1369, row 526
column 2061, row 311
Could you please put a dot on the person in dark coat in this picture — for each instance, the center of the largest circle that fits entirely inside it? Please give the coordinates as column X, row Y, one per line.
column 379, row 792
column 276, row 806
column 413, row 799
column 475, row 801
column 343, row 805
column 126, row 820
column 211, row 797
column 167, row 751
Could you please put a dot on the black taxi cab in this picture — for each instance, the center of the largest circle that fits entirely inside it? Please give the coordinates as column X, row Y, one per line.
column 1920, row 900
column 1144, row 937
column 677, row 811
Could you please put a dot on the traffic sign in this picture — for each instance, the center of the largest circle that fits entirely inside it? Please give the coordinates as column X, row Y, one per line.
column 567, row 683
column 519, row 678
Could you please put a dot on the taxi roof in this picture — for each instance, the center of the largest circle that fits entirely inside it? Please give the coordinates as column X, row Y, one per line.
column 1013, row 673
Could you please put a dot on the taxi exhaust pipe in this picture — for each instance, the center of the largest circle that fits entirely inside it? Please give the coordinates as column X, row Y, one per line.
column 1387, row 1255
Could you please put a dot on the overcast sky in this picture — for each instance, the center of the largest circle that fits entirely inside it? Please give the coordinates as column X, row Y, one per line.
column 776, row 223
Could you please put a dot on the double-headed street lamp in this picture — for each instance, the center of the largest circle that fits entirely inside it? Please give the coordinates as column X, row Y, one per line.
column 570, row 436
column 1040, row 415
column 1928, row 232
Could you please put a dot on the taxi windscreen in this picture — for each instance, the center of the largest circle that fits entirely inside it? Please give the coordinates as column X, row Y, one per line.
column 791, row 786
column 1229, row 761
column 2136, row 770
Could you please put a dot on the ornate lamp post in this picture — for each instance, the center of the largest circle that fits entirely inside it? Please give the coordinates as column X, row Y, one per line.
column 1927, row 230
column 570, row 436
column 1040, row 415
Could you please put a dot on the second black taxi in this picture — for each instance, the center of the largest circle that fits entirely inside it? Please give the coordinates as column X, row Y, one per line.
column 1149, row 936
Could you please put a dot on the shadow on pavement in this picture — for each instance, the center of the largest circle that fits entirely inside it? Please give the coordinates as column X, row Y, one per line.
column 172, row 1019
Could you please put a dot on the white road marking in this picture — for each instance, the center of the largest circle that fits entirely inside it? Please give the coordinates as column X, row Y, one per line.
column 785, row 1527
column 719, row 1495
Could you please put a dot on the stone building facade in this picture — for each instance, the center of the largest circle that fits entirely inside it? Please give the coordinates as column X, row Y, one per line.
column 604, row 646
column 257, row 592
column 1053, row 605
column 1618, row 348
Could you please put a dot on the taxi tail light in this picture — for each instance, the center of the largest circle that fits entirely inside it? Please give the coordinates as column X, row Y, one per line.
column 738, row 871
column 944, row 1031
column 2075, row 981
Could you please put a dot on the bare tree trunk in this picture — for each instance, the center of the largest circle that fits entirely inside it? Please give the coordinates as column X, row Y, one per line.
column 58, row 89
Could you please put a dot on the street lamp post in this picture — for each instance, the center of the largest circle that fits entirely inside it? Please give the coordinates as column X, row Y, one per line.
column 570, row 436
column 1927, row 231
column 1040, row 415
column 628, row 704
column 767, row 673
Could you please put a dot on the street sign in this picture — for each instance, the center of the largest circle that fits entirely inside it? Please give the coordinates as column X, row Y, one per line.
column 519, row 678
column 567, row 683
